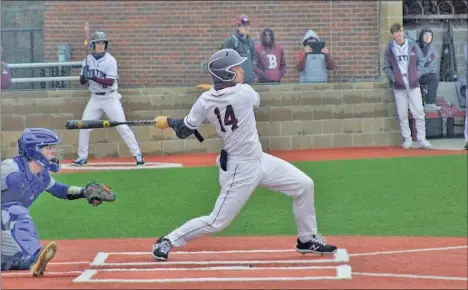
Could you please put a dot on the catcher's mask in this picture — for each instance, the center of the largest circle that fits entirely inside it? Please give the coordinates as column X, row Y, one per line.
column 221, row 63
column 39, row 145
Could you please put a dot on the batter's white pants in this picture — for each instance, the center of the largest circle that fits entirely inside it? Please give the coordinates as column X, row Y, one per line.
column 237, row 185
column 412, row 99
column 115, row 112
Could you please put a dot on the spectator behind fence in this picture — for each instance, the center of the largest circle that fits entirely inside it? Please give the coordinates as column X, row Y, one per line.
column 313, row 63
column 429, row 79
column 403, row 64
column 270, row 64
column 241, row 42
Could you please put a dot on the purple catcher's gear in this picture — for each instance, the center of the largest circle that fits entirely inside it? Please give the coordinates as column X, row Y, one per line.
column 31, row 143
column 20, row 241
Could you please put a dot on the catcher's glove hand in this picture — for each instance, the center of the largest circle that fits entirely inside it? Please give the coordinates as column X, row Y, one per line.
column 161, row 122
column 204, row 87
column 97, row 193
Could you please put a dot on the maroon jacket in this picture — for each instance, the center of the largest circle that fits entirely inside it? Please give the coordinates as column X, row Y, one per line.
column 270, row 65
column 415, row 66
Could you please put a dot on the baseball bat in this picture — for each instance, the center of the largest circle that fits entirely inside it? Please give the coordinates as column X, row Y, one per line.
column 93, row 124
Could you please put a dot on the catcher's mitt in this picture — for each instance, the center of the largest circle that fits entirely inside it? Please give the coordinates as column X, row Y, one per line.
column 97, row 193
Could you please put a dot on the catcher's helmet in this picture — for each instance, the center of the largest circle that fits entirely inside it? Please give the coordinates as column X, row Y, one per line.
column 31, row 143
column 221, row 64
column 98, row 36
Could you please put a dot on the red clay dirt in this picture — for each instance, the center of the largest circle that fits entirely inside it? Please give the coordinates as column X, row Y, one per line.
column 362, row 250
column 209, row 159
column 441, row 268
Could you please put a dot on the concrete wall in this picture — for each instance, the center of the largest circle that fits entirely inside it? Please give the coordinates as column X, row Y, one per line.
column 292, row 116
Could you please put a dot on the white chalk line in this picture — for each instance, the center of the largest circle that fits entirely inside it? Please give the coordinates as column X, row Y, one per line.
column 411, row 276
column 285, row 251
column 342, row 272
column 28, row 274
column 408, row 251
column 221, row 268
column 100, row 259
column 69, row 263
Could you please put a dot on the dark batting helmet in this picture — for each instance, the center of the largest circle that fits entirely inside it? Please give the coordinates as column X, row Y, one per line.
column 221, row 64
column 98, row 36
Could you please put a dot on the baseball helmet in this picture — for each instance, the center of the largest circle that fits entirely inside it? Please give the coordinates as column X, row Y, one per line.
column 221, row 63
column 32, row 141
column 98, row 36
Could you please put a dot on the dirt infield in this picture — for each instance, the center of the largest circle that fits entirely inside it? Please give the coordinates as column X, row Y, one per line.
column 254, row 262
column 259, row 262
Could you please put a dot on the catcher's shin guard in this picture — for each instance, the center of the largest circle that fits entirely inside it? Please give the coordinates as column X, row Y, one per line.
column 45, row 255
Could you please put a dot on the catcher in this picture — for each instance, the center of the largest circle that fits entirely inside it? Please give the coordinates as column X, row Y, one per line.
column 24, row 178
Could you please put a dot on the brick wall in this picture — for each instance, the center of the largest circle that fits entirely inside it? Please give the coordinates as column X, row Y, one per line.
column 291, row 116
column 165, row 43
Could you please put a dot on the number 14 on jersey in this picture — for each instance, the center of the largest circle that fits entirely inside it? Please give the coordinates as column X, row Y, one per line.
column 229, row 118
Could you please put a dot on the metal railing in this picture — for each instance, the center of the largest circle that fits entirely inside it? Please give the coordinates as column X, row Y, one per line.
column 59, row 73
column 435, row 10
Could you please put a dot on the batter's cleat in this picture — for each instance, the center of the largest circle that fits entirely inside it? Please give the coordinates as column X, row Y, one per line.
column 317, row 246
column 161, row 249
column 139, row 160
column 79, row 162
column 466, row 146
column 45, row 255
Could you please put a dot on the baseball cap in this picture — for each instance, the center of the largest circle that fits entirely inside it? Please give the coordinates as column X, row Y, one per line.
column 243, row 19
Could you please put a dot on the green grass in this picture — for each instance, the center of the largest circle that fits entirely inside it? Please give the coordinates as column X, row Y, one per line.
column 419, row 196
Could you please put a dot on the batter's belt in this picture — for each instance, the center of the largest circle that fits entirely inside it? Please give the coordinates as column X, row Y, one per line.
column 104, row 93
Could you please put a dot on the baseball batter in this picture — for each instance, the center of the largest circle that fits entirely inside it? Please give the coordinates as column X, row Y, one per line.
column 100, row 72
column 229, row 106
column 24, row 178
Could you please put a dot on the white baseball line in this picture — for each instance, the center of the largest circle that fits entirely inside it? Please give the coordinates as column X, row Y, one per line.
column 411, row 276
column 408, row 251
column 220, row 268
column 28, row 274
column 342, row 272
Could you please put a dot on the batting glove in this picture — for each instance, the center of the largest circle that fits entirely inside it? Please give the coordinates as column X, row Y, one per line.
column 161, row 122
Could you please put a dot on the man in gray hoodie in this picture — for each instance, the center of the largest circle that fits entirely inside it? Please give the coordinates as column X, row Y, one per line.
column 313, row 67
column 429, row 78
column 404, row 65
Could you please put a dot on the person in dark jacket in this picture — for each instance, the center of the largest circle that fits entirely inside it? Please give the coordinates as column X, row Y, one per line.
column 241, row 42
column 404, row 65
column 429, row 79
column 270, row 64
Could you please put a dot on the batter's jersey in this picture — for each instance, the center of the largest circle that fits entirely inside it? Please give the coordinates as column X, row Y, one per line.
column 231, row 112
column 105, row 67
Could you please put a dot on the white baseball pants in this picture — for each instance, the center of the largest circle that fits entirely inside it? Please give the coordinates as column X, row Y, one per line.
column 237, row 185
column 114, row 111
column 412, row 99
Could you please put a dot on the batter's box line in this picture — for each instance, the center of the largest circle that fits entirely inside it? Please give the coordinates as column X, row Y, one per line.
column 341, row 256
column 342, row 272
